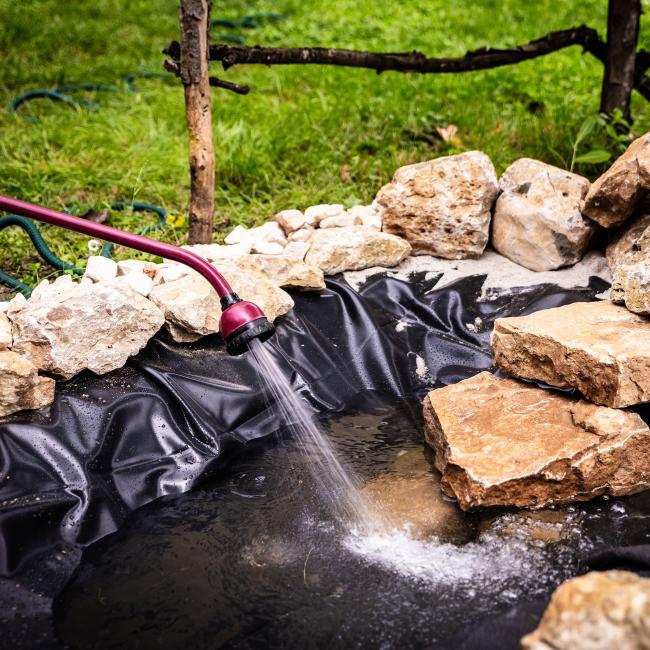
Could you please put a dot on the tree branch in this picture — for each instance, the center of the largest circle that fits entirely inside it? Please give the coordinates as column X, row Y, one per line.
column 240, row 89
column 480, row 59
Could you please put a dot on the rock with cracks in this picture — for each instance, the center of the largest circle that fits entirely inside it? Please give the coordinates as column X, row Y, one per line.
column 6, row 337
column 67, row 327
column 631, row 286
column 443, row 206
column 500, row 442
column 599, row 348
column 631, row 245
column 21, row 387
column 354, row 248
column 537, row 221
column 616, row 195
column 597, row 611
column 191, row 306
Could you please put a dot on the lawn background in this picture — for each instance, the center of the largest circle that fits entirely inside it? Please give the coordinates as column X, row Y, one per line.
column 304, row 134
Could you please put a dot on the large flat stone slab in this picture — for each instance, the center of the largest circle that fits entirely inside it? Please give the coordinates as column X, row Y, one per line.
column 599, row 348
column 500, row 442
column 599, row 610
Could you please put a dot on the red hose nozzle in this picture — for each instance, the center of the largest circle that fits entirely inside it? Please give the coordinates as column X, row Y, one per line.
column 241, row 321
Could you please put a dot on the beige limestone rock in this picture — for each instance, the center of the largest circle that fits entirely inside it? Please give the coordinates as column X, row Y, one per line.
column 284, row 271
column 126, row 267
column 598, row 611
column 290, row 220
column 367, row 215
column 21, row 387
column 69, row 326
column 632, row 243
column 5, row 332
column 302, row 235
column 354, row 248
column 191, row 306
column 599, row 348
column 281, row 269
column 267, row 248
column 537, row 221
column 237, row 235
column 500, row 442
column 168, row 272
column 215, row 252
column 296, row 249
column 138, row 282
column 443, row 206
column 100, row 269
column 316, row 213
column 340, row 221
column 631, row 287
column 615, row 196
column 410, row 495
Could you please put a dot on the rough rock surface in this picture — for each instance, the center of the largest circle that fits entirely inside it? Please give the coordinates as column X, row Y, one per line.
column 191, row 306
column 631, row 287
column 127, row 267
column 353, row 248
column 599, row 348
column 443, row 206
column 537, row 221
column 296, row 249
column 500, row 442
column 631, row 245
column 284, row 271
column 597, row 611
column 617, row 194
column 340, row 221
column 302, row 235
column 410, row 495
column 67, row 327
column 5, row 332
column 21, row 387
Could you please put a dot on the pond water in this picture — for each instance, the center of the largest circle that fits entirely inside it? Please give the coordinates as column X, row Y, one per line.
column 254, row 559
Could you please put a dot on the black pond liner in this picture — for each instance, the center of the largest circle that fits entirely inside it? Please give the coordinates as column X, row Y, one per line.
column 187, row 430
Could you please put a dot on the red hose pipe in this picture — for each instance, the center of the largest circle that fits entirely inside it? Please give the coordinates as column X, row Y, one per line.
column 240, row 321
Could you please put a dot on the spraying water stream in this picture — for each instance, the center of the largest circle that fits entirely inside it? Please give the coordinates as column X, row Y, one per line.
column 338, row 485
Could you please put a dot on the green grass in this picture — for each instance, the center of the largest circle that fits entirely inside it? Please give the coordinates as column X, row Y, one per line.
column 283, row 145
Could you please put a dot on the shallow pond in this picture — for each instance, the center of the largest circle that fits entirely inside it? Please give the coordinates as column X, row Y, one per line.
column 253, row 560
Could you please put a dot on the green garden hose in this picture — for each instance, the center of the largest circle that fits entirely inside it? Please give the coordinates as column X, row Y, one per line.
column 56, row 262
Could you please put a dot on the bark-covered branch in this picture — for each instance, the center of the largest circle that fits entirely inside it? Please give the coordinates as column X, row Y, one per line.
column 480, row 59
column 240, row 89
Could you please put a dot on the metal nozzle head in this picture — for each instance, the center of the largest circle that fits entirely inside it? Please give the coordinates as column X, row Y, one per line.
column 241, row 322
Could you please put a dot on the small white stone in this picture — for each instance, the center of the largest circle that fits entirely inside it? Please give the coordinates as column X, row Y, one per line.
column 125, row 267
column 237, row 235
column 316, row 213
column 139, row 282
column 169, row 272
column 100, row 269
column 340, row 221
column 296, row 249
column 268, row 248
column 290, row 220
column 40, row 288
column 4, row 305
column 368, row 215
column 17, row 303
column 5, row 332
column 269, row 231
column 303, row 235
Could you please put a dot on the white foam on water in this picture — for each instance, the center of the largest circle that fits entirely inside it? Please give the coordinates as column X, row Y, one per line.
column 492, row 559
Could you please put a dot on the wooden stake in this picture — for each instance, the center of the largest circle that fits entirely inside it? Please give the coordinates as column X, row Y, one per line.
column 623, row 17
column 194, row 17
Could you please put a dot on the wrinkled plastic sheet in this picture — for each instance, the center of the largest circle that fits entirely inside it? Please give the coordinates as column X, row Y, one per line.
column 169, row 419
